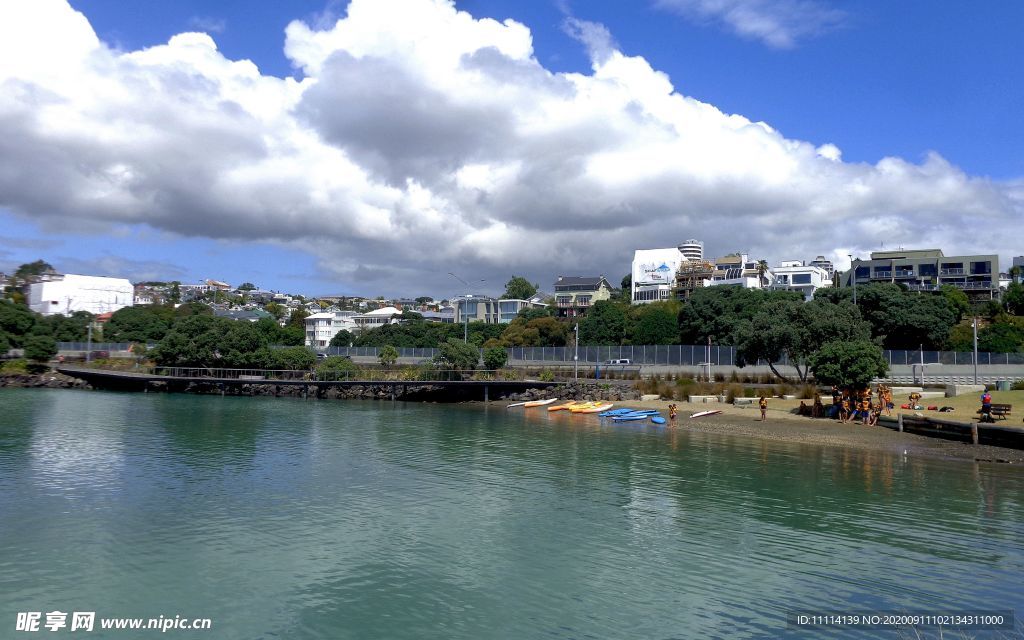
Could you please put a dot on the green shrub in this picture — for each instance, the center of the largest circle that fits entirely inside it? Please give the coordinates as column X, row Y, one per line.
column 495, row 358
column 547, row 376
column 40, row 348
column 387, row 356
column 19, row 366
column 336, row 367
column 1018, row 385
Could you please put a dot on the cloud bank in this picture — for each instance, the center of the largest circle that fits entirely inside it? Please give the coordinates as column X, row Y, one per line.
column 421, row 140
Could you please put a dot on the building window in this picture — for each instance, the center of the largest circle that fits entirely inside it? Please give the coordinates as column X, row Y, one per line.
column 926, row 270
column 801, row 278
column 981, row 268
column 863, row 272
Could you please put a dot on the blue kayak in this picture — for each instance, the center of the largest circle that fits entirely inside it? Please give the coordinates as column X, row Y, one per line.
column 657, row 420
column 629, row 418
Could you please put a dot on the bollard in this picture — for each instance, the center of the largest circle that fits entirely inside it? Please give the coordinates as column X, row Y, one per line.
column 899, row 423
column 487, row 396
column 974, row 433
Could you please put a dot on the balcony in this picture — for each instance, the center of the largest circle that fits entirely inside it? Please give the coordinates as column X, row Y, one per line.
column 882, row 274
column 923, row 287
column 951, row 272
column 904, row 274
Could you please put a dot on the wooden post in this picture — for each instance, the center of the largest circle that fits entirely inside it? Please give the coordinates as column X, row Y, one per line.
column 974, row 433
column 899, row 423
column 487, row 396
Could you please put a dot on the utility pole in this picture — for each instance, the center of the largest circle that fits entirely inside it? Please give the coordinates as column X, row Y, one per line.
column 975, row 349
column 88, row 343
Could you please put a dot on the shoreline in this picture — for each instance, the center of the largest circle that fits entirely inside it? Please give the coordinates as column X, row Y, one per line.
column 791, row 429
column 781, row 426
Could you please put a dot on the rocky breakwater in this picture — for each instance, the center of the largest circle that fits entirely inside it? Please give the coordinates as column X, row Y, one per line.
column 45, row 380
column 580, row 391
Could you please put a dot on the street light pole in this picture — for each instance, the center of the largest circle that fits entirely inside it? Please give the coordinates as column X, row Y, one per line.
column 975, row 349
column 576, row 356
column 465, row 333
column 853, row 278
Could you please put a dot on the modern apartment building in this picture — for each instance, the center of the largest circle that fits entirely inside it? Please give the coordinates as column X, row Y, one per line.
column 794, row 275
column 822, row 263
column 491, row 310
column 692, row 250
column 575, row 294
column 927, row 270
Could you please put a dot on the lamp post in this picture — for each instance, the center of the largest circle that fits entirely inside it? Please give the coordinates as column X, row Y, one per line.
column 975, row 349
column 576, row 355
column 853, row 278
column 465, row 333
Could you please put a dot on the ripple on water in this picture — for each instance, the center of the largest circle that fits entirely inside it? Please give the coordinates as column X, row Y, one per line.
column 284, row 518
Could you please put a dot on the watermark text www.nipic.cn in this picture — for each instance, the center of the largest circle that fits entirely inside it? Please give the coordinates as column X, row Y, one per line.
column 36, row 621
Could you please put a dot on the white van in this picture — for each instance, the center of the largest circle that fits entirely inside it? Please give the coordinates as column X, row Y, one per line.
column 618, row 361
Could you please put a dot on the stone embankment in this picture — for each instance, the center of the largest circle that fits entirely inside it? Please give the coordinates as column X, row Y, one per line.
column 47, row 380
column 579, row 391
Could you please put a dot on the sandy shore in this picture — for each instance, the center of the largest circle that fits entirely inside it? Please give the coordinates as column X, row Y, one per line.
column 782, row 426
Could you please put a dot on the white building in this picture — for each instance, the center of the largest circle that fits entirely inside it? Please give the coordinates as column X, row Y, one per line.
column 796, row 276
column 654, row 274
column 693, row 250
column 377, row 318
column 738, row 270
column 68, row 293
column 322, row 327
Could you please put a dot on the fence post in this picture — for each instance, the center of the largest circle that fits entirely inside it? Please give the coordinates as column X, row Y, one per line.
column 974, row 433
column 899, row 422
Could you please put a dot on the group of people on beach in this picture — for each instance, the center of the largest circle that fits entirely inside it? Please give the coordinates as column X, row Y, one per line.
column 860, row 404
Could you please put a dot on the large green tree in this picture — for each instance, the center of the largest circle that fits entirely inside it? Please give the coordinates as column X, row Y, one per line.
column 797, row 330
column 519, row 288
column 1002, row 336
column 719, row 312
column 16, row 320
column 604, row 324
column 906, row 320
column 654, row 323
column 1013, row 299
column 149, row 323
column 852, row 364
column 291, row 358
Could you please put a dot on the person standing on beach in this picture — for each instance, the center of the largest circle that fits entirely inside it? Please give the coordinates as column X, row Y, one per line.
column 763, row 403
column 672, row 410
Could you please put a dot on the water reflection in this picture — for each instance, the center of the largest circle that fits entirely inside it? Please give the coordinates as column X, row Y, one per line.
column 375, row 519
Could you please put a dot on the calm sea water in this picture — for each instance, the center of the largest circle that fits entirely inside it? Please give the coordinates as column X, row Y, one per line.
column 284, row 518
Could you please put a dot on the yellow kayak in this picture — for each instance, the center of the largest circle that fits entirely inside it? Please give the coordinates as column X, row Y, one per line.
column 596, row 408
column 568, row 405
column 583, row 406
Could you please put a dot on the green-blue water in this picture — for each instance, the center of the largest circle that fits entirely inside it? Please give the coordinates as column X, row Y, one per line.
column 282, row 518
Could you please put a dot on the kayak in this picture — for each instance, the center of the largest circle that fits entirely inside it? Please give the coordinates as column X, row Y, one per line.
column 657, row 420
column 594, row 409
column 628, row 418
column 616, row 412
column 540, row 403
column 567, row 405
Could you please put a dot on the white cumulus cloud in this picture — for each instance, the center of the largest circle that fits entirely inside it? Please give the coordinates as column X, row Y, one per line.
column 776, row 23
column 422, row 140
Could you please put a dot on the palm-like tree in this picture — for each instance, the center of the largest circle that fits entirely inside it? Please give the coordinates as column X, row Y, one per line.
column 762, row 269
column 1015, row 273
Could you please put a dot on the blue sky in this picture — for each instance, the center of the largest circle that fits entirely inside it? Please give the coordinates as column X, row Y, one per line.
column 875, row 79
